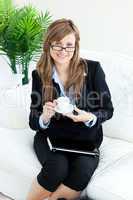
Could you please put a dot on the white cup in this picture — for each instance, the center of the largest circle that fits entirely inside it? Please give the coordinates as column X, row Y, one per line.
column 63, row 104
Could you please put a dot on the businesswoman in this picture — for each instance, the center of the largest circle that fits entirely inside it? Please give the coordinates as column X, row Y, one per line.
column 61, row 72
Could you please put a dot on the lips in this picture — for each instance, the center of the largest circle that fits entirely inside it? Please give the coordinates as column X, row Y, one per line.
column 61, row 56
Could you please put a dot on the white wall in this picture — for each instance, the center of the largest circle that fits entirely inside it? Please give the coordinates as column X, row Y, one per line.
column 105, row 25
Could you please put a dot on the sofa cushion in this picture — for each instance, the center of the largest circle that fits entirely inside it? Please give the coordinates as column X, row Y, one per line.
column 15, row 107
column 111, row 150
column 114, row 182
column 18, row 162
column 14, row 99
column 113, row 177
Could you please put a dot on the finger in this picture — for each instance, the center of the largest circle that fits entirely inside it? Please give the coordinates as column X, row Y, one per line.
column 76, row 118
column 49, row 108
column 72, row 116
column 77, row 109
column 49, row 113
column 55, row 102
column 49, row 103
column 68, row 115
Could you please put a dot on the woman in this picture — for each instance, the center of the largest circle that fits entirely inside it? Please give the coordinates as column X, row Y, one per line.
column 61, row 72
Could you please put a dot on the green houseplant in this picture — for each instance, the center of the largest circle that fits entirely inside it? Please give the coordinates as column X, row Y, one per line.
column 21, row 35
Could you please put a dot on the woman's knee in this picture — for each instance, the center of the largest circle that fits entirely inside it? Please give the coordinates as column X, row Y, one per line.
column 54, row 171
column 85, row 166
column 57, row 165
column 81, row 172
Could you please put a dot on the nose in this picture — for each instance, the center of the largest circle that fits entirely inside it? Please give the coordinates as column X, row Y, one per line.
column 63, row 49
column 62, row 52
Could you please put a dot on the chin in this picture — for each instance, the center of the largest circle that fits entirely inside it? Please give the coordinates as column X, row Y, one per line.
column 62, row 61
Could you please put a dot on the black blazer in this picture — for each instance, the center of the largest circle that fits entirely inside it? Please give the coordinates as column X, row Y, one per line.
column 95, row 98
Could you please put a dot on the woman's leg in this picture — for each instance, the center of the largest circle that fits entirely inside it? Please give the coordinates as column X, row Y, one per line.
column 54, row 170
column 81, row 170
column 64, row 192
column 52, row 174
column 37, row 192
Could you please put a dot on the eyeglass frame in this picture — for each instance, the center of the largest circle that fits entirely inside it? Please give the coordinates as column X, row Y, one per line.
column 61, row 48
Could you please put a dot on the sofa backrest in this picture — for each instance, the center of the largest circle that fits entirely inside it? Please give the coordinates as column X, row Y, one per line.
column 119, row 76
column 14, row 99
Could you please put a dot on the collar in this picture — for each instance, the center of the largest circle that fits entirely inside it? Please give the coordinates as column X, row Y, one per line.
column 55, row 77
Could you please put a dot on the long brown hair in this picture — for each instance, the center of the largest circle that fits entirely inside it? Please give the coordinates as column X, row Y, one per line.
column 56, row 32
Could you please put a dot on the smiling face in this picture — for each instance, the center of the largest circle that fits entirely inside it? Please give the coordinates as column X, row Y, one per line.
column 63, row 56
column 61, row 33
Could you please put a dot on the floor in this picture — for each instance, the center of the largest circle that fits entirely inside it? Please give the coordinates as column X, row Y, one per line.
column 3, row 197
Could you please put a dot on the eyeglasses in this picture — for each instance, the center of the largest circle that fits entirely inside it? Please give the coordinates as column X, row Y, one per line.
column 60, row 48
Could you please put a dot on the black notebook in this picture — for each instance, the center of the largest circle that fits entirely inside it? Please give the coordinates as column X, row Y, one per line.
column 69, row 146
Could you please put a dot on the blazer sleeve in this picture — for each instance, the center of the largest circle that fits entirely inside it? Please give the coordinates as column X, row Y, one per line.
column 104, row 107
column 36, row 105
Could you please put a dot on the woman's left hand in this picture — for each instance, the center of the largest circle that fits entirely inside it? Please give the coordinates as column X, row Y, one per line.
column 81, row 116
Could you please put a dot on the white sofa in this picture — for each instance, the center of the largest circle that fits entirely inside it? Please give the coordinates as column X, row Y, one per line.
column 112, row 179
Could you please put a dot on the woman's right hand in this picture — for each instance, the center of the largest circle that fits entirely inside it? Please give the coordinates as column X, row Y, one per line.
column 48, row 110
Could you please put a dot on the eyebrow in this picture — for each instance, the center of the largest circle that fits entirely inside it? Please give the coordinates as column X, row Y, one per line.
column 57, row 42
column 67, row 44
